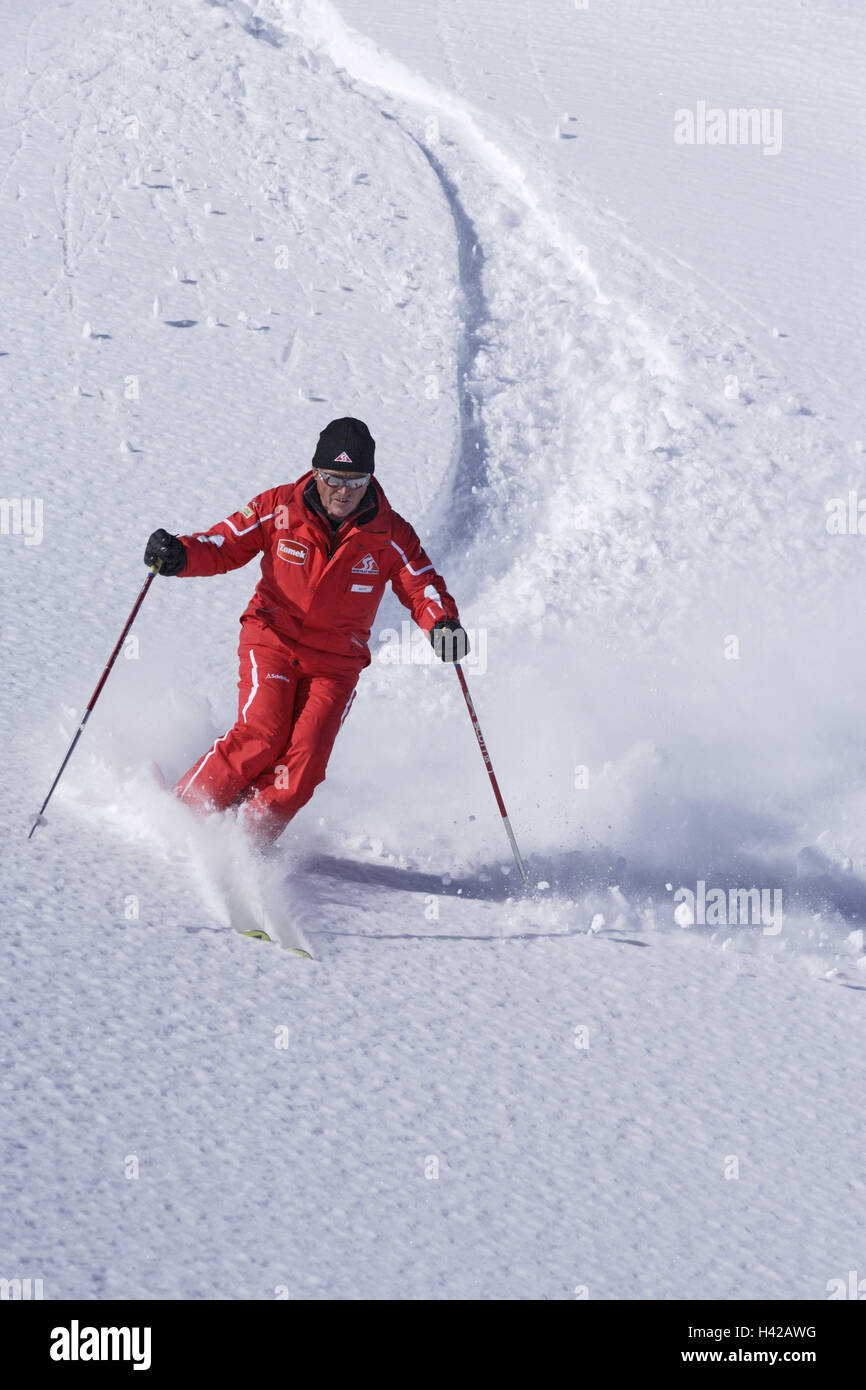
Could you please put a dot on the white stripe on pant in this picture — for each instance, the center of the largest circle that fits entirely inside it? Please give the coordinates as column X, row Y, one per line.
column 255, row 685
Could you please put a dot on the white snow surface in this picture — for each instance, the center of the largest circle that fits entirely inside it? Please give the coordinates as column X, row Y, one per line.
column 614, row 383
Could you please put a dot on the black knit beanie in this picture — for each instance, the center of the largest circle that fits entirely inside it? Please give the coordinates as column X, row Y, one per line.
column 345, row 445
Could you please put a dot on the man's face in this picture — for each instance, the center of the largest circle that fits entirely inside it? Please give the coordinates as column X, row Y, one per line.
column 340, row 501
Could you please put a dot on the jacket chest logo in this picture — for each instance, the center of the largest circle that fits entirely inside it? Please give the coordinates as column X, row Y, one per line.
column 367, row 565
column 295, row 552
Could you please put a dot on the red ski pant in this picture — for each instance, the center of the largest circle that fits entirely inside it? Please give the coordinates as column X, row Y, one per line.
column 276, row 754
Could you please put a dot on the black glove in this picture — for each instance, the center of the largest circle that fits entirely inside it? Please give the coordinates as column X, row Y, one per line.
column 167, row 548
column 450, row 642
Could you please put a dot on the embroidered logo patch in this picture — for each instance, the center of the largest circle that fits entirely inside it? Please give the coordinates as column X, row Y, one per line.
column 366, row 566
column 342, row 458
column 294, row 551
column 247, row 511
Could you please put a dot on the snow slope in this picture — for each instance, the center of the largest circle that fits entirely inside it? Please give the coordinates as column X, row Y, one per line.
column 225, row 225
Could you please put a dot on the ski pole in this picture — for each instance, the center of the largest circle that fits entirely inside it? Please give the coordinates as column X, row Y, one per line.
column 489, row 765
column 154, row 570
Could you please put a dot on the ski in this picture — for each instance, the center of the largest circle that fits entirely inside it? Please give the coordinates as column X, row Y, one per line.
column 249, row 916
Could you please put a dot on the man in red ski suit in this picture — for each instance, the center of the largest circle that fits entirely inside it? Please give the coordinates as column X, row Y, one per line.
column 329, row 543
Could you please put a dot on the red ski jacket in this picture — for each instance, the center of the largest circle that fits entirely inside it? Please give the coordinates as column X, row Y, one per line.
column 321, row 586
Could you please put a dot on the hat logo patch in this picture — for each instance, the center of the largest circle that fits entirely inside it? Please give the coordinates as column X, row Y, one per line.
column 342, row 458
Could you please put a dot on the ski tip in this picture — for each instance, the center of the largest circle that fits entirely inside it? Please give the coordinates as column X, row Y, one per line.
column 258, row 935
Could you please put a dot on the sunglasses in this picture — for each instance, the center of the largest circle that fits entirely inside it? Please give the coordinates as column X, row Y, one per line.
column 331, row 480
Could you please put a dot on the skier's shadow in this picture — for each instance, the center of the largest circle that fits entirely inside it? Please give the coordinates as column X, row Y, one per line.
column 573, row 871
column 488, row 884
column 807, row 885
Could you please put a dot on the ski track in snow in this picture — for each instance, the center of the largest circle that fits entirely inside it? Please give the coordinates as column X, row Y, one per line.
column 607, row 514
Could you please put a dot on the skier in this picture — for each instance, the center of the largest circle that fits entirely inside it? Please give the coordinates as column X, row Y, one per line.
column 329, row 542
